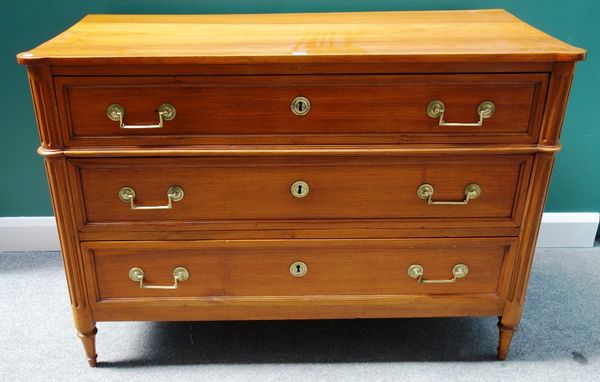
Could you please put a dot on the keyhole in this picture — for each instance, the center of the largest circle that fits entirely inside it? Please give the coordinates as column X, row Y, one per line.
column 300, row 189
column 300, row 106
column 298, row 269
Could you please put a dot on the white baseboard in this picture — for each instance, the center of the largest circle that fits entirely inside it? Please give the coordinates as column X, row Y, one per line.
column 29, row 234
column 39, row 233
column 568, row 230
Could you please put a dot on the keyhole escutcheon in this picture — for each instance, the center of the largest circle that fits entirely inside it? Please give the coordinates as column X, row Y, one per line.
column 298, row 269
column 300, row 189
column 300, row 106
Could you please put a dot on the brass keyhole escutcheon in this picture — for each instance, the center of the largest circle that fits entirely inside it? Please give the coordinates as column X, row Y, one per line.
column 298, row 269
column 300, row 189
column 300, row 106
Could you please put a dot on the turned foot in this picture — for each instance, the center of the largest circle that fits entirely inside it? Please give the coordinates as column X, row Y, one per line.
column 89, row 344
column 506, row 334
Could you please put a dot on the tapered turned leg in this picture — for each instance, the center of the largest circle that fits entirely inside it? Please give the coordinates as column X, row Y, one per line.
column 506, row 334
column 89, row 344
column 62, row 201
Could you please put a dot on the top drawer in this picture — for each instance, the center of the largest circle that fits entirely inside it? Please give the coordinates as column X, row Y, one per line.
column 334, row 109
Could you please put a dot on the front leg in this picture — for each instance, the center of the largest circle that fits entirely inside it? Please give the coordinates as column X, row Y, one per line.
column 89, row 345
column 56, row 168
column 515, row 297
column 505, row 336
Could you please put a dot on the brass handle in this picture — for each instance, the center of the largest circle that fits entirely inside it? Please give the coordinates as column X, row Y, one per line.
column 174, row 194
column 459, row 271
column 300, row 106
column 425, row 192
column 179, row 274
column 436, row 109
column 116, row 112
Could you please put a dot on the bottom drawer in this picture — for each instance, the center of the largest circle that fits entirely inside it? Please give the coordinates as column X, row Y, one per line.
column 134, row 270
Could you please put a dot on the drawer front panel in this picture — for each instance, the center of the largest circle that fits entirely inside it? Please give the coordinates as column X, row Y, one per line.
column 343, row 109
column 262, row 189
column 262, row 268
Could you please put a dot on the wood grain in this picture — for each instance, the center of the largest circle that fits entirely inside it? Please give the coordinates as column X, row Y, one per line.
column 437, row 36
column 228, row 271
column 559, row 89
column 246, row 109
column 537, row 194
column 44, row 102
column 256, row 189
column 262, row 269
column 236, row 148
column 299, row 150
column 299, row 308
column 305, row 230
column 56, row 169
column 297, row 69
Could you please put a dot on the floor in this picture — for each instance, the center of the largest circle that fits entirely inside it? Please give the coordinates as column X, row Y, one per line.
column 558, row 340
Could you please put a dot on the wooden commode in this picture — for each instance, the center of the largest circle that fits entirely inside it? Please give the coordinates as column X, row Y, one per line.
column 299, row 166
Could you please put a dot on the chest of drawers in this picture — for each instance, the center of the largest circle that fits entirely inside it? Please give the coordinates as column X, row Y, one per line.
column 299, row 166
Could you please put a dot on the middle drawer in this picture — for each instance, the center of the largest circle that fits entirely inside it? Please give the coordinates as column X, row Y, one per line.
column 257, row 190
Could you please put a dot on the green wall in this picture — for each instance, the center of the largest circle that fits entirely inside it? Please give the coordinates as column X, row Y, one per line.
column 26, row 23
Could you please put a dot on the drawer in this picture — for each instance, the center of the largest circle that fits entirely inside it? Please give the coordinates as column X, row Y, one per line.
column 258, row 109
column 298, row 190
column 243, row 268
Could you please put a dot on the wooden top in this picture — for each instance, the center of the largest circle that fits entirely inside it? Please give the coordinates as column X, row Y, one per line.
column 392, row 37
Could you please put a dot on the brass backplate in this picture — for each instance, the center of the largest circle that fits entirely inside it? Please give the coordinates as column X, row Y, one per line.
column 473, row 190
column 435, row 109
column 460, row 270
column 486, row 109
column 181, row 274
column 115, row 112
column 136, row 274
column 175, row 193
column 415, row 271
column 168, row 111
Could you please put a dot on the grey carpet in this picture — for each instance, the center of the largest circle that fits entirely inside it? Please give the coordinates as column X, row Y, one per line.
column 559, row 337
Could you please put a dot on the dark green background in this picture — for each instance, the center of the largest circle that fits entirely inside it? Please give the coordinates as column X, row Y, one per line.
column 26, row 23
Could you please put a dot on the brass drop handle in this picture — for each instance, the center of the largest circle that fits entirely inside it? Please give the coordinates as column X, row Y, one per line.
column 179, row 274
column 416, row 271
column 425, row 192
column 436, row 109
column 174, row 194
column 116, row 112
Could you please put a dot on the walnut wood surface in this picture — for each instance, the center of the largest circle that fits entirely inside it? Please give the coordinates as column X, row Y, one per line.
column 245, row 109
column 235, row 148
column 438, row 36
